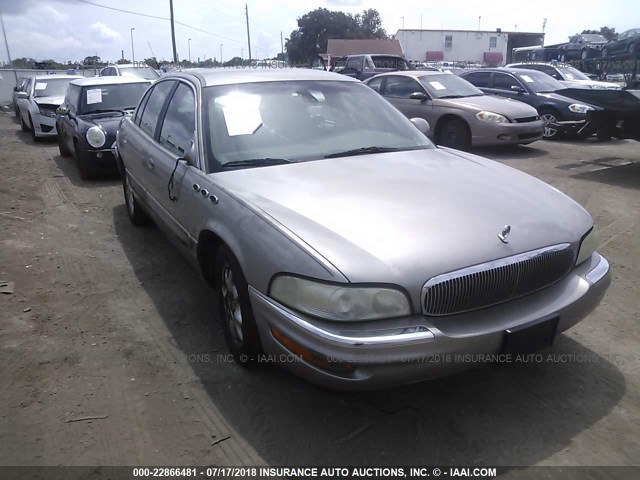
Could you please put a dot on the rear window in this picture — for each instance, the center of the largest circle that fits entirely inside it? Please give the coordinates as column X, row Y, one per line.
column 51, row 87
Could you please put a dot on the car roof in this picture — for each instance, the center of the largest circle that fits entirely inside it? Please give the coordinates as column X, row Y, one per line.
column 49, row 77
column 413, row 73
column 227, row 76
column 127, row 65
column 547, row 64
column 518, row 71
column 88, row 81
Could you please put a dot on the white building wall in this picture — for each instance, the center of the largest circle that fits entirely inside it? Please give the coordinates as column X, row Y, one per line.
column 465, row 45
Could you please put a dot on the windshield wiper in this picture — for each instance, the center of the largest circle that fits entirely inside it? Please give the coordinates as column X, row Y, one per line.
column 362, row 151
column 453, row 96
column 257, row 162
column 106, row 110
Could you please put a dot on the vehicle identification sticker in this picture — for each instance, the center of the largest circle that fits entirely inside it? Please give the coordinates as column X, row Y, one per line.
column 241, row 113
column 94, row 96
column 526, row 78
column 41, row 86
column 437, row 85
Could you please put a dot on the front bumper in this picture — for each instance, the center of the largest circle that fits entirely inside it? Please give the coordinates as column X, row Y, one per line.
column 416, row 348
column 506, row 133
column 44, row 126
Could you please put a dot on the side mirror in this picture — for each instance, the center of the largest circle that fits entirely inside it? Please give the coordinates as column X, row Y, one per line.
column 418, row 96
column 22, row 95
column 422, row 125
column 16, row 89
column 62, row 111
column 190, row 156
column 517, row 89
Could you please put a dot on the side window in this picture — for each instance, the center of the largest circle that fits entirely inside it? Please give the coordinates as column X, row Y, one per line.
column 153, row 108
column 448, row 42
column 179, row 124
column 552, row 72
column 502, row 81
column 27, row 87
column 353, row 63
column 140, row 108
column 73, row 97
column 376, row 84
column 493, row 42
column 479, row 79
column 401, row 87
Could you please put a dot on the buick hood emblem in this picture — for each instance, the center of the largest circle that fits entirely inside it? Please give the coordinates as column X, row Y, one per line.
column 505, row 233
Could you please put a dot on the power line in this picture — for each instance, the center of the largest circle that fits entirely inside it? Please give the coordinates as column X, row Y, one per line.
column 158, row 18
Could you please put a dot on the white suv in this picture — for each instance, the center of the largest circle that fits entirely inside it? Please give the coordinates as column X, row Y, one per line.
column 130, row 70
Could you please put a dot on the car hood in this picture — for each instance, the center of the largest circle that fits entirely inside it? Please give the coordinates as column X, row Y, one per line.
column 504, row 106
column 57, row 101
column 109, row 122
column 404, row 217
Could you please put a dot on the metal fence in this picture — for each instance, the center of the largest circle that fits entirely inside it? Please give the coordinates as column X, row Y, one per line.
column 8, row 79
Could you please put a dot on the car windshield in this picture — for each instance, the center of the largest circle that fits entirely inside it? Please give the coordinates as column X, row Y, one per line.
column 147, row 73
column 594, row 38
column 539, row 82
column 447, row 85
column 394, row 63
column 102, row 98
column 51, row 87
column 257, row 124
column 570, row 73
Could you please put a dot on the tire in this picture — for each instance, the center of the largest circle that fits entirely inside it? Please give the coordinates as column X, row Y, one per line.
column 23, row 126
column 16, row 110
column 64, row 151
column 33, row 130
column 454, row 134
column 83, row 164
column 584, row 54
column 234, row 308
column 605, row 52
column 549, row 116
column 136, row 214
column 632, row 48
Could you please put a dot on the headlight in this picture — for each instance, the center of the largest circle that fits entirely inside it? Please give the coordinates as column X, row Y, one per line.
column 96, row 137
column 589, row 245
column 339, row 302
column 579, row 108
column 47, row 113
column 597, row 87
column 491, row 117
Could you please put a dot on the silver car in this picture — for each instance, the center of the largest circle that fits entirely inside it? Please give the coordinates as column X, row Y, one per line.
column 341, row 243
column 461, row 115
column 38, row 101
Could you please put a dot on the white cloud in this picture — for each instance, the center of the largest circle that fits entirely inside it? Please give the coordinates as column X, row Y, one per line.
column 103, row 33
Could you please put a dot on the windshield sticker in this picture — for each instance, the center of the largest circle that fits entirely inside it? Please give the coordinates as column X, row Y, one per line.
column 241, row 113
column 526, row 78
column 41, row 86
column 437, row 85
column 94, row 96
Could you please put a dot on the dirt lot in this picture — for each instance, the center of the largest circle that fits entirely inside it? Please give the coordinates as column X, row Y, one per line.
column 108, row 320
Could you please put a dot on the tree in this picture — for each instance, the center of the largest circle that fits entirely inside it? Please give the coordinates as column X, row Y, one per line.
column 606, row 32
column 23, row 62
column 318, row 26
column 152, row 62
column 122, row 61
column 92, row 60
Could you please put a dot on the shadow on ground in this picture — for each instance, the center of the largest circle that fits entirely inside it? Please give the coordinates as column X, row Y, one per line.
column 513, row 152
column 515, row 414
column 626, row 176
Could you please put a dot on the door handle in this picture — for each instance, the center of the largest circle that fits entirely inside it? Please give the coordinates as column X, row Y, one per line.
column 196, row 187
column 151, row 162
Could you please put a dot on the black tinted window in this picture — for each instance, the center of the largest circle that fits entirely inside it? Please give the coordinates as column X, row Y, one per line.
column 121, row 96
column 479, row 79
column 376, row 84
column 140, row 109
column 505, row 82
column 154, row 105
column 178, row 127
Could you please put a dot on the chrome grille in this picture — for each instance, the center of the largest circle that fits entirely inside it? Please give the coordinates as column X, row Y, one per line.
column 527, row 119
column 496, row 281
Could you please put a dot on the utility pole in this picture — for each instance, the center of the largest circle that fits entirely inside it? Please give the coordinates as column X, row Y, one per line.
column 173, row 33
column 189, row 43
column 152, row 54
column 6, row 44
column 281, row 44
column 246, row 11
column 133, row 54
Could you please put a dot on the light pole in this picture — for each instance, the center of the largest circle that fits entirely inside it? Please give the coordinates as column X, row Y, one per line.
column 221, row 54
column 242, row 55
column 189, row 43
column 133, row 55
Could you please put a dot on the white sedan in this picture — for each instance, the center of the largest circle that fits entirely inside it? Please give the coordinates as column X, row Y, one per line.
column 38, row 102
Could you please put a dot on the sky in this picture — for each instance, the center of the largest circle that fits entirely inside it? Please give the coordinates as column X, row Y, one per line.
column 73, row 29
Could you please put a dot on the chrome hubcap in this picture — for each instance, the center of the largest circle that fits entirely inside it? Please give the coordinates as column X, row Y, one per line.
column 231, row 304
column 548, row 130
column 129, row 194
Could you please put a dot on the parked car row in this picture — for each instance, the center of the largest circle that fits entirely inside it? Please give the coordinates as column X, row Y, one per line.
column 585, row 46
column 337, row 237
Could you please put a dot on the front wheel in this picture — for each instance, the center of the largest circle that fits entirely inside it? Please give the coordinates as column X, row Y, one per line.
column 455, row 134
column 62, row 148
column 549, row 131
column 584, row 55
column 137, row 216
column 23, row 126
column 33, row 130
column 235, row 312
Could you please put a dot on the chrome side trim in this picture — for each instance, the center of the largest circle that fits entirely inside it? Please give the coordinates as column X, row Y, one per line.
column 378, row 340
column 599, row 271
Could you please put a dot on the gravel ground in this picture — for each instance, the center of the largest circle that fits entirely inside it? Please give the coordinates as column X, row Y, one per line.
column 109, row 321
